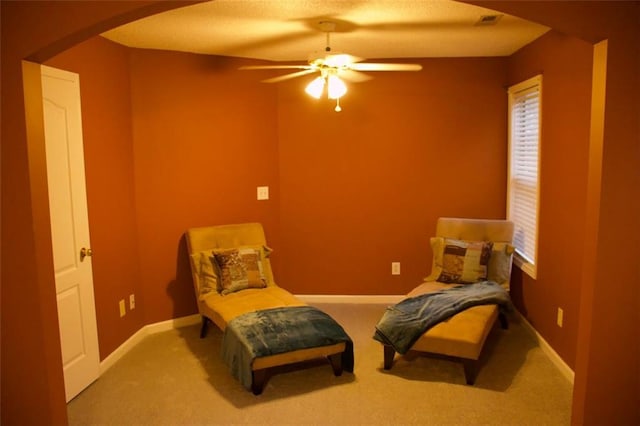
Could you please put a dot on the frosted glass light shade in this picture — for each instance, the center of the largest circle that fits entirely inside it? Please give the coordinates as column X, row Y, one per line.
column 336, row 88
column 316, row 87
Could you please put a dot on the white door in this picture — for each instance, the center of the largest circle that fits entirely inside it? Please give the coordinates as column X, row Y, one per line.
column 70, row 229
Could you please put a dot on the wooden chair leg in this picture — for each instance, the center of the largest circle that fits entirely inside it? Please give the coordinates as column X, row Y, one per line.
column 336, row 363
column 205, row 326
column 258, row 378
column 389, row 353
column 470, row 370
column 504, row 323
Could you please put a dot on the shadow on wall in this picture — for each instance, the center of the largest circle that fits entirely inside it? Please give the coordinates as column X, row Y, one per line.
column 180, row 289
column 516, row 291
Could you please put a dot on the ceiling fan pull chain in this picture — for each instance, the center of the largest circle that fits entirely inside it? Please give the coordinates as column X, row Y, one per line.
column 338, row 108
column 328, row 48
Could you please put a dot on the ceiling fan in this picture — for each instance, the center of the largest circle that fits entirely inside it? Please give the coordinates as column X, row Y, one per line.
column 332, row 67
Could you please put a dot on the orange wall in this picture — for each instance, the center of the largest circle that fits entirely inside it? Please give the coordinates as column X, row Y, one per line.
column 32, row 387
column 565, row 63
column 204, row 138
column 206, row 135
column 607, row 366
column 607, row 379
column 193, row 118
column 364, row 187
column 106, row 113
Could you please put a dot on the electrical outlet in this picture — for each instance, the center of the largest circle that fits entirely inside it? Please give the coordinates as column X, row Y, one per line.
column 123, row 308
column 395, row 268
column 263, row 193
column 560, row 317
column 132, row 302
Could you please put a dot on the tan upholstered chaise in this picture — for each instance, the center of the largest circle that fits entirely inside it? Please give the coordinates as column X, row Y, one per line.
column 462, row 336
column 221, row 309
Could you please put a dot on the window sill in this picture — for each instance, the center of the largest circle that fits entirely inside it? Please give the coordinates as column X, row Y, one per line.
column 525, row 266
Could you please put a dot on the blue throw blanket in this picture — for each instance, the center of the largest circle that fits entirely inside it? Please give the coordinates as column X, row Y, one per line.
column 279, row 330
column 404, row 323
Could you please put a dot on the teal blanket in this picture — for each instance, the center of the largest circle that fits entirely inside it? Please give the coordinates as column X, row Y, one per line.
column 402, row 324
column 279, row 330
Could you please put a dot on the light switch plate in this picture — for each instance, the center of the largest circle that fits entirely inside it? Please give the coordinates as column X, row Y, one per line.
column 395, row 268
column 560, row 317
column 263, row 193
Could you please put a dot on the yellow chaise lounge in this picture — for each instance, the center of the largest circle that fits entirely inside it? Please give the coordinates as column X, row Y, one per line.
column 257, row 293
column 462, row 336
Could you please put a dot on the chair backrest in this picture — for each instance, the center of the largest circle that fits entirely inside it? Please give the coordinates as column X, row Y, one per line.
column 225, row 236
column 475, row 229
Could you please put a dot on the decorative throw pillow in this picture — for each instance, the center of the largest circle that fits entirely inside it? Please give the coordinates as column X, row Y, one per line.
column 239, row 269
column 252, row 260
column 205, row 276
column 500, row 264
column 249, row 254
column 208, row 276
column 437, row 246
column 465, row 262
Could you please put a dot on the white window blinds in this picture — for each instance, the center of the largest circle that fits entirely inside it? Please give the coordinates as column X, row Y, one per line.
column 523, row 179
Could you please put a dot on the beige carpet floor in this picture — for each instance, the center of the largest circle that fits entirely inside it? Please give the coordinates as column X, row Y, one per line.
column 176, row 378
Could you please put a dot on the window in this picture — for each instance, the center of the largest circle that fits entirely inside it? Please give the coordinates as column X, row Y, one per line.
column 523, row 178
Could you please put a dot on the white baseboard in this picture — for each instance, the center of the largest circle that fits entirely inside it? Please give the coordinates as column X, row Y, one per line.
column 145, row 331
column 373, row 299
column 566, row 371
column 129, row 344
column 173, row 323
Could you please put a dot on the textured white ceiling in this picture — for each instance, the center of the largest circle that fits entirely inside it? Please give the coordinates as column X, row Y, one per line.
column 289, row 30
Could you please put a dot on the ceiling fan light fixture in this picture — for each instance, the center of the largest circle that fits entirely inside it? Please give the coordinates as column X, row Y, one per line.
column 336, row 87
column 338, row 61
column 316, row 87
column 331, row 66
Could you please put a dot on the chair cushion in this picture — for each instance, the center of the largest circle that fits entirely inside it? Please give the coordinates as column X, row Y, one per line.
column 462, row 335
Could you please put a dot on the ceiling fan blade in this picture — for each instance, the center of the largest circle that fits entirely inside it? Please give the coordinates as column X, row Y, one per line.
column 275, row 67
column 288, row 76
column 353, row 76
column 368, row 66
